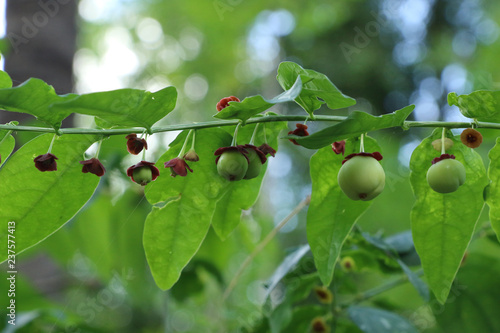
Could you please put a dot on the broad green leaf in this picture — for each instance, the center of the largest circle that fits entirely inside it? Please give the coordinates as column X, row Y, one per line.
column 482, row 105
column 443, row 224
column 493, row 189
column 7, row 144
column 41, row 202
column 302, row 316
column 174, row 232
column 354, row 125
column 285, row 267
column 475, row 294
column 242, row 195
column 371, row 320
column 5, row 80
column 331, row 214
column 123, row 107
column 317, row 88
column 253, row 105
column 34, row 97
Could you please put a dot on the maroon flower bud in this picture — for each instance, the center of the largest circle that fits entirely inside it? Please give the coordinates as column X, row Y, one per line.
column 46, row 162
column 223, row 103
column 442, row 157
column 339, row 147
column 267, row 149
column 135, row 145
column 191, row 156
column 93, row 166
column 301, row 130
column 143, row 172
column 178, row 167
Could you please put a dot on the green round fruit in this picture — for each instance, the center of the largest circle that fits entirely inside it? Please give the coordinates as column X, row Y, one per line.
column 254, row 165
column 446, row 176
column 232, row 165
column 361, row 178
column 143, row 175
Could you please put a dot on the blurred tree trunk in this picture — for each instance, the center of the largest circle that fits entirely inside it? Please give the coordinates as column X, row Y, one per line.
column 42, row 38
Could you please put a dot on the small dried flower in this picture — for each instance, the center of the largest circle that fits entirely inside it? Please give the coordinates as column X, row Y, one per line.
column 324, row 295
column 46, row 162
column 93, row 166
column 143, row 172
column 223, row 103
column 348, row 264
column 301, row 130
column 267, row 149
column 191, row 156
column 178, row 167
column 135, row 144
column 471, row 138
column 339, row 147
column 318, row 325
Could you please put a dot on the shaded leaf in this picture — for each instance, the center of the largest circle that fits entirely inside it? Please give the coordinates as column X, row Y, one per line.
column 371, row 320
column 317, row 88
column 123, row 107
column 253, row 105
column 41, row 202
column 34, row 97
column 285, row 267
column 331, row 214
column 443, row 224
column 354, row 125
column 482, row 105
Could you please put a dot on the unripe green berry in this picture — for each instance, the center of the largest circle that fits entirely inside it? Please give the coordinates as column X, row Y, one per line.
column 361, row 178
column 254, row 165
column 446, row 175
column 143, row 175
column 232, row 165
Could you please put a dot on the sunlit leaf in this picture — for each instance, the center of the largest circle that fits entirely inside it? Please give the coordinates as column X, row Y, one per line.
column 354, row 125
column 493, row 189
column 123, row 107
column 371, row 320
column 253, row 105
column 482, row 105
column 41, row 202
column 317, row 88
column 7, row 144
column 5, row 80
column 442, row 224
column 331, row 214
column 34, row 97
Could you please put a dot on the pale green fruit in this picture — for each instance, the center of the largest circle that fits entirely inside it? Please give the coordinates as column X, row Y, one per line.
column 254, row 166
column 232, row 165
column 361, row 178
column 446, row 176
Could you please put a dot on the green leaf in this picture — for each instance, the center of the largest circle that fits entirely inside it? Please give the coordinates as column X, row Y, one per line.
column 242, row 195
column 317, row 88
column 331, row 214
column 7, row 144
column 371, row 320
column 475, row 294
column 41, row 202
column 34, row 97
column 174, row 233
column 493, row 189
column 123, row 107
column 443, row 224
column 285, row 267
column 482, row 105
column 5, row 80
column 253, row 105
column 354, row 125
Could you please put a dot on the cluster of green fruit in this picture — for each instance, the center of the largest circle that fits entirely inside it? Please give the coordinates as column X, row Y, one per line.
column 361, row 176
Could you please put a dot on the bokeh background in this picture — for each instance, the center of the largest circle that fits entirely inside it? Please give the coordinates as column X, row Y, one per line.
column 92, row 275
